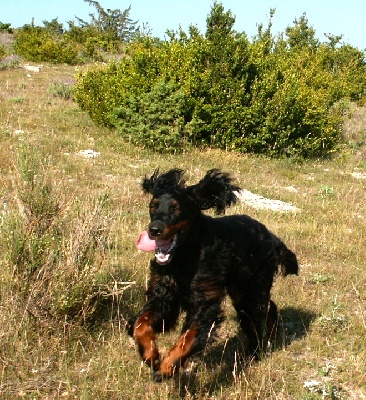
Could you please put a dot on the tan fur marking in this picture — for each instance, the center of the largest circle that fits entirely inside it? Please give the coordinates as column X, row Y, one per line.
column 171, row 230
column 178, row 353
column 145, row 338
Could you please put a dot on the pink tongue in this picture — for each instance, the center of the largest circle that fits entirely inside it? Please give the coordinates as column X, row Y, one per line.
column 144, row 243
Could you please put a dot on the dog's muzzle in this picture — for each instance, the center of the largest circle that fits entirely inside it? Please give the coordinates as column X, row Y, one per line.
column 156, row 229
column 165, row 247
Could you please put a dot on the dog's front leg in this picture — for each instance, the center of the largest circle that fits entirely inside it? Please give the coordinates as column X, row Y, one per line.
column 144, row 335
column 198, row 330
column 159, row 314
column 177, row 355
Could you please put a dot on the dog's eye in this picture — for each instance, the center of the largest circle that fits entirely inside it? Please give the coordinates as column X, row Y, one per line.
column 153, row 206
column 174, row 208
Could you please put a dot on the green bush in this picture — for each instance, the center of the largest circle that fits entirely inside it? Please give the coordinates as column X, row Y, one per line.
column 293, row 109
column 98, row 91
column 89, row 41
column 60, row 89
column 40, row 45
column 278, row 96
column 156, row 119
column 103, row 88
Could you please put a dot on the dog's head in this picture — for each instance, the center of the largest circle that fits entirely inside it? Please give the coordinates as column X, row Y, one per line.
column 174, row 206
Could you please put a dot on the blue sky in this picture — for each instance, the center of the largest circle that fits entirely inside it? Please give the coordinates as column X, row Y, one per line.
column 326, row 16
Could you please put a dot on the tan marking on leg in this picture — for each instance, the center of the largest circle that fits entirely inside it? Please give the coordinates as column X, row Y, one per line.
column 178, row 354
column 145, row 337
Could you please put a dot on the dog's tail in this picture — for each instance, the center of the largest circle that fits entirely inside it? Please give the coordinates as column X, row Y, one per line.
column 287, row 260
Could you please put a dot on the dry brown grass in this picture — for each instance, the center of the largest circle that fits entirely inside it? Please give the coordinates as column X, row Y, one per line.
column 45, row 356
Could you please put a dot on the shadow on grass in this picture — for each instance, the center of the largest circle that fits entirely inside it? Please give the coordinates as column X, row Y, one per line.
column 222, row 364
column 293, row 325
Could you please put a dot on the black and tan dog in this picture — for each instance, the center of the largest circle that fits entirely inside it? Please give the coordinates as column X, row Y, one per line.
column 198, row 260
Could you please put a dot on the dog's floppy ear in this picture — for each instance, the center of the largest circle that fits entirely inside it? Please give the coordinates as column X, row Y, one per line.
column 168, row 180
column 148, row 184
column 215, row 190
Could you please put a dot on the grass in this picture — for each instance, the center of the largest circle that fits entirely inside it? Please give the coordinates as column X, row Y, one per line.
column 70, row 275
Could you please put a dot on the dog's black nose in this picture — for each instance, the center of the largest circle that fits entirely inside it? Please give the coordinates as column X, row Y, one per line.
column 155, row 230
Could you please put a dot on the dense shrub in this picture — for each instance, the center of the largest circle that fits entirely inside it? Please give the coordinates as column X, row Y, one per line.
column 60, row 89
column 99, row 91
column 40, row 45
column 111, row 27
column 103, row 88
column 156, row 119
column 292, row 108
column 89, row 41
column 275, row 95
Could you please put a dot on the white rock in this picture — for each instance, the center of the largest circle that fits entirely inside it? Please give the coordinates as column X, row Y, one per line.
column 358, row 175
column 260, row 202
column 312, row 385
column 88, row 153
column 291, row 189
column 33, row 68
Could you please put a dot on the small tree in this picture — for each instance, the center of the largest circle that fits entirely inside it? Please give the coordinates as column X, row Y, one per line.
column 54, row 26
column 114, row 26
column 301, row 34
column 39, row 44
column 219, row 23
column 6, row 28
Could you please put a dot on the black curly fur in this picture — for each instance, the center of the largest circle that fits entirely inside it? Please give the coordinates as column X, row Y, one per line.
column 234, row 255
column 160, row 182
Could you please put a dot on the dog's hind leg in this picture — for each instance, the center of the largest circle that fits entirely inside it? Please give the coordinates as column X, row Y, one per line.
column 271, row 321
column 259, row 326
column 252, row 326
column 257, row 316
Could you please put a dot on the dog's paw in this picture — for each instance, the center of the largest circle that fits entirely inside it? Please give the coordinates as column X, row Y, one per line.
column 164, row 372
column 158, row 376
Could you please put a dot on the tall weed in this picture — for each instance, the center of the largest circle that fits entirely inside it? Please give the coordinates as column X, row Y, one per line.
column 56, row 251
